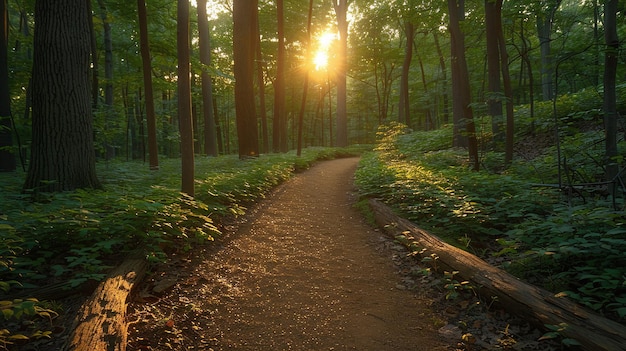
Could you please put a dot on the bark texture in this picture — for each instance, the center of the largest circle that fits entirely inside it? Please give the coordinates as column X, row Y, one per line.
column 62, row 153
column 101, row 323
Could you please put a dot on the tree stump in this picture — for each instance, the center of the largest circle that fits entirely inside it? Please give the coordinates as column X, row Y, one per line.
column 100, row 324
column 534, row 304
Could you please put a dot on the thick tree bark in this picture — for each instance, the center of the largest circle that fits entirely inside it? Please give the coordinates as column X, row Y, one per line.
column 7, row 157
column 534, row 304
column 62, row 154
column 244, row 42
column 100, row 324
column 153, row 150
column 204, row 41
column 184, row 99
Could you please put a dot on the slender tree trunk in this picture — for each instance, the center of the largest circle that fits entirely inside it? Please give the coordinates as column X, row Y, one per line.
column 62, row 154
column 545, row 19
column 184, row 99
column 204, row 41
column 404, row 111
column 279, row 140
column 108, row 76
column 341, row 11
column 7, row 157
column 153, row 151
column 494, row 93
column 444, row 79
column 463, row 114
column 244, row 43
column 508, row 89
column 306, row 81
column 610, row 98
column 265, row 145
column 95, row 68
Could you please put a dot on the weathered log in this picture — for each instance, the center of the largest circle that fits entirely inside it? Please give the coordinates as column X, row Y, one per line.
column 100, row 324
column 536, row 305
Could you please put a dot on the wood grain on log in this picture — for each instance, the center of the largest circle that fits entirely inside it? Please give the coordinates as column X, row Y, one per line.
column 100, row 324
column 539, row 306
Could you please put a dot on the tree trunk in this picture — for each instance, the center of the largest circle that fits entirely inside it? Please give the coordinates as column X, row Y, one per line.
column 62, row 154
column 265, row 145
column 341, row 11
column 184, row 99
column 508, row 90
column 153, row 151
column 204, row 42
column 545, row 18
column 305, row 90
column 100, row 324
column 108, row 81
column 244, row 42
column 463, row 115
column 404, row 111
column 7, row 157
column 534, row 304
column 444, row 79
column 610, row 96
column 279, row 140
column 494, row 93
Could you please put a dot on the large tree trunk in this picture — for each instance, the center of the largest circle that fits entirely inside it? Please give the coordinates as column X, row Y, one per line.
column 62, row 154
column 610, row 96
column 244, row 42
column 100, row 325
column 184, row 99
column 7, row 157
column 153, row 151
column 534, row 304
column 341, row 11
column 204, row 40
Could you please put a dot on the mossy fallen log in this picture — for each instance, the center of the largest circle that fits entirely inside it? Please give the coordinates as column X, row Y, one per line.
column 100, row 324
column 537, row 305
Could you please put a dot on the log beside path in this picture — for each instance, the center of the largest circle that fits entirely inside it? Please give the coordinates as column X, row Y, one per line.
column 101, row 324
column 539, row 306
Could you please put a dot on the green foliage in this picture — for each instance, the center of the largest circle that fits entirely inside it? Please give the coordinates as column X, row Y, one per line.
column 571, row 245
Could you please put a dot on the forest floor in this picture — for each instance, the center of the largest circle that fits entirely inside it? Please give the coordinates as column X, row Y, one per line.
column 304, row 271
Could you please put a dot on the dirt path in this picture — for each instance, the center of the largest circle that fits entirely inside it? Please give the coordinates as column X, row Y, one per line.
column 305, row 272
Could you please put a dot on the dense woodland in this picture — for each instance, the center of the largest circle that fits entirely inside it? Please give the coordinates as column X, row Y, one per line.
column 496, row 124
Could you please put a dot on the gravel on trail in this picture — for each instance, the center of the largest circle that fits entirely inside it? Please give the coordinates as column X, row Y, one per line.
column 302, row 271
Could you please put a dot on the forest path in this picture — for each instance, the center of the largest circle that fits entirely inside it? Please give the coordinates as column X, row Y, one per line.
column 303, row 272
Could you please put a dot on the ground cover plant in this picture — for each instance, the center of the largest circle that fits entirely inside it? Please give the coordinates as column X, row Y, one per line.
column 570, row 241
column 70, row 240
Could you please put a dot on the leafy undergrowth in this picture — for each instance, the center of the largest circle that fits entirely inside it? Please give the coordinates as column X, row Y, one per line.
column 69, row 240
column 571, row 243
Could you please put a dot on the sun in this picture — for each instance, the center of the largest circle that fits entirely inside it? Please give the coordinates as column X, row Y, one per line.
column 324, row 44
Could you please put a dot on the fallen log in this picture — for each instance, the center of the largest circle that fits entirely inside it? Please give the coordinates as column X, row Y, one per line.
column 100, row 324
column 538, row 306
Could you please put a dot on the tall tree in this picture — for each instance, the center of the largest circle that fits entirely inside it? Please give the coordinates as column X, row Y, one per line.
column 279, row 128
column 462, row 110
column 62, row 152
column 244, row 42
column 108, row 78
column 153, row 150
column 184, row 99
column 545, row 20
column 341, row 11
column 494, row 93
column 204, row 41
column 7, row 158
column 610, row 98
column 404, row 112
